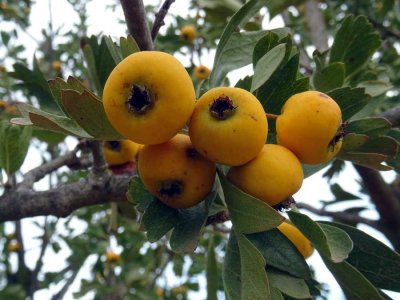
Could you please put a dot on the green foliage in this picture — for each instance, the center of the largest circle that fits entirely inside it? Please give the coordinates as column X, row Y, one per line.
column 256, row 261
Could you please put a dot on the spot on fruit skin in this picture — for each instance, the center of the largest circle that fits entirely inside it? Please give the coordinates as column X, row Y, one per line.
column 170, row 188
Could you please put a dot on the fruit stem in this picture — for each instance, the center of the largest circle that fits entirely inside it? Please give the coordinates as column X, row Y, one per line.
column 271, row 116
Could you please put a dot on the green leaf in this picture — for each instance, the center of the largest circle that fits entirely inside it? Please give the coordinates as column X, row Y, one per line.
column 88, row 111
column 158, row 219
column 350, row 100
column 328, row 78
column 58, row 84
column 376, row 261
column 254, row 280
column 370, row 126
column 138, row 194
column 212, row 272
column 128, row 46
column 14, row 146
column 113, row 49
column 48, row 121
column 247, row 213
column 186, row 233
column 249, row 9
column 36, row 84
column 265, row 44
column 341, row 194
column 375, row 88
column 280, row 253
column 267, row 65
column 354, row 43
column 231, row 274
column 332, row 242
column 353, row 283
column 289, row 285
column 237, row 53
column 90, row 59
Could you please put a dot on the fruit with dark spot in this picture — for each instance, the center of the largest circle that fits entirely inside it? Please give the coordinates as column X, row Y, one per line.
column 120, row 152
column 201, row 72
column 149, row 97
column 188, row 33
column 228, row 126
column 310, row 126
column 175, row 172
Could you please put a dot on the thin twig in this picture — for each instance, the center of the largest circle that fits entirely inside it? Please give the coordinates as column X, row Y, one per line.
column 340, row 216
column 38, row 173
column 135, row 16
column 160, row 15
column 161, row 269
column 61, row 293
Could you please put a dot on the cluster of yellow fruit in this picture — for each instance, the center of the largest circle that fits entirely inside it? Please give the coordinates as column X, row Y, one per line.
column 149, row 98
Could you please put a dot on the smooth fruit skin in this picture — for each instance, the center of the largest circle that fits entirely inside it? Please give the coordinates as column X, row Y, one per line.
column 233, row 141
column 201, row 72
column 120, row 152
column 273, row 176
column 188, row 33
column 169, row 87
column 112, row 257
column 297, row 238
column 176, row 161
column 308, row 123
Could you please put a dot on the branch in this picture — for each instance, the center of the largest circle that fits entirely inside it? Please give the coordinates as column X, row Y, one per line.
column 159, row 21
column 135, row 16
column 385, row 201
column 61, row 293
column 340, row 216
column 316, row 25
column 63, row 200
column 38, row 173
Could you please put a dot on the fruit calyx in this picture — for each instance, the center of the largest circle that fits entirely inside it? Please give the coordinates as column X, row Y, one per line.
column 114, row 145
column 222, row 108
column 140, row 101
column 170, row 188
column 339, row 135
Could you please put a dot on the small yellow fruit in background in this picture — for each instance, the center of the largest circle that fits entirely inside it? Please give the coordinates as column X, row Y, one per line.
column 175, row 172
column 120, row 152
column 228, row 126
column 159, row 292
column 148, row 97
column 310, row 126
column 56, row 65
column 188, row 33
column 201, row 72
column 297, row 238
column 273, row 176
column 112, row 257
column 13, row 246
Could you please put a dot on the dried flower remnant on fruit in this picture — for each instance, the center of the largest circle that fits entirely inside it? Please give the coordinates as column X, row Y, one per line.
column 114, row 145
column 170, row 189
column 222, row 108
column 139, row 101
column 191, row 153
column 338, row 136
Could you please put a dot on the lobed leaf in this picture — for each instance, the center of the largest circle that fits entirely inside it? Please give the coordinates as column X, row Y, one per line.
column 331, row 242
column 247, row 213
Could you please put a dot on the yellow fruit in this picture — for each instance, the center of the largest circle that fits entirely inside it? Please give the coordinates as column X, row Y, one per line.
column 120, row 152
column 179, row 290
column 112, row 257
column 310, row 126
column 228, row 126
column 3, row 105
column 201, row 72
column 148, row 97
column 297, row 238
column 159, row 292
column 188, row 33
column 273, row 176
column 56, row 65
column 13, row 246
column 175, row 172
